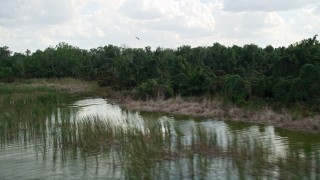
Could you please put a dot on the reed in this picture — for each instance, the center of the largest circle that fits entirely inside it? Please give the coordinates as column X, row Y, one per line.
column 146, row 153
column 158, row 150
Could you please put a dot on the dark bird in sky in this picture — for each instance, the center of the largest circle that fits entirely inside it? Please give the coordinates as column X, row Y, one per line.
column 138, row 38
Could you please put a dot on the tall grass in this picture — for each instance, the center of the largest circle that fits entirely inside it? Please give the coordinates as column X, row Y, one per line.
column 24, row 110
column 161, row 150
column 35, row 115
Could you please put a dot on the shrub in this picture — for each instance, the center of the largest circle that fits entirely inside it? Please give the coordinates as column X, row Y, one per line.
column 236, row 89
column 153, row 88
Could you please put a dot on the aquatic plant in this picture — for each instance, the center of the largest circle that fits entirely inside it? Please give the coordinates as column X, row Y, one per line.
column 160, row 149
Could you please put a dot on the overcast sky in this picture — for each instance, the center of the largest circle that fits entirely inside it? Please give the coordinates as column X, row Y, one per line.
column 38, row 24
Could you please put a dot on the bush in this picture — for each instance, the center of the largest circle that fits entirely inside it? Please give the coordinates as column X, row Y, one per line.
column 281, row 89
column 237, row 90
column 153, row 88
column 298, row 91
column 8, row 80
column 6, row 72
column 310, row 77
column 258, row 85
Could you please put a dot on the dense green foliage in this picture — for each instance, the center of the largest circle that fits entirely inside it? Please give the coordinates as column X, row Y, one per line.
column 240, row 74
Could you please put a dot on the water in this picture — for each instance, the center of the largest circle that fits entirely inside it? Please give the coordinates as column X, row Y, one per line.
column 59, row 145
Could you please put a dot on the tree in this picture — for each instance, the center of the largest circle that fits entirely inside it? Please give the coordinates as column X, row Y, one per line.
column 153, row 88
column 258, row 83
column 281, row 88
column 236, row 89
column 28, row 52
column 298, row 91
column 6, row 72
column 4, row 53
column 310, row 77
column 284, row 74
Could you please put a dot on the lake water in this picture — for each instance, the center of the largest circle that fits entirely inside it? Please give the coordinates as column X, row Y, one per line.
column 43, row 147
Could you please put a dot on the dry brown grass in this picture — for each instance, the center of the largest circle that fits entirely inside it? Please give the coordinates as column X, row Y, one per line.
column 215, row 109
column 196, row 107
column 65, row 84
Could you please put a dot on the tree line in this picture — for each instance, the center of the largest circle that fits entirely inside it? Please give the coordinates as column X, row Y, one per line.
column 240, row 74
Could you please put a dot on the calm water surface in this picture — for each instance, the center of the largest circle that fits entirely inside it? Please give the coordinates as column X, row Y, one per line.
column 31, row 151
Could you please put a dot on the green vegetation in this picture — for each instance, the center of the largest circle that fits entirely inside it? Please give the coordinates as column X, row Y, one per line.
column 25, row 106
column 158, row 149
column 287, row 76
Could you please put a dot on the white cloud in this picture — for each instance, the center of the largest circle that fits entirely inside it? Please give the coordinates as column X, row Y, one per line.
column 37, row 24
column 241, row 25
column 174, row 16
column 264, row 5
column 316, row 11
column 140, row 10
column 35, row 12
column 177, row 23
column 4, row 34
column 278, row 30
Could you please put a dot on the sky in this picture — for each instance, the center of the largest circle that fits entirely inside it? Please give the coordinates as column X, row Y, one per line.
column 38, row 24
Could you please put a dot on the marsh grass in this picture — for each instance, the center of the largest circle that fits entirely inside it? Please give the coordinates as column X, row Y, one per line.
column 205, row 107
column 29, row 115
column 157, row 151
column 24, row 110
column 161, row 151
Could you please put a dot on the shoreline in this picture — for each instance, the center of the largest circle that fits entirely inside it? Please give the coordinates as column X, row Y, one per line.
column 199, row 107
column 215, row 109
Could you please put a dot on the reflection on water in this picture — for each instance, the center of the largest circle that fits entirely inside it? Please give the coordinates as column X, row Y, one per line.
column 112, row 113
column 92, row 139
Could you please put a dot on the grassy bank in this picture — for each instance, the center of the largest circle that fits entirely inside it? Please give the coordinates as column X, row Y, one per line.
column 195, row 107
column 215, row 108
column 159, row 150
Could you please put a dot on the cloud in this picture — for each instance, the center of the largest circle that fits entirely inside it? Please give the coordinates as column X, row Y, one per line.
column 8, row 9
column 35, row 12
column 240, row 25
column 140, row 10
column 37, row 24
column 316, row 11
column 4, row 35
column 264, row 5
column 182, row 17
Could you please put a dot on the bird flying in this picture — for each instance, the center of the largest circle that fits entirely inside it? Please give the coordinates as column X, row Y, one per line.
column 138, row 38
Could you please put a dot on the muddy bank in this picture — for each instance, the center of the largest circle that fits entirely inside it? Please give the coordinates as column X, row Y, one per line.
column 215, row 109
